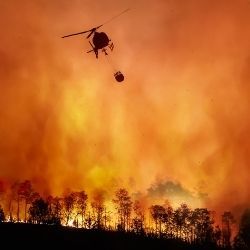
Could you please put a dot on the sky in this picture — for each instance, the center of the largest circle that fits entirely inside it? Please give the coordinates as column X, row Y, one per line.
column 177, row 127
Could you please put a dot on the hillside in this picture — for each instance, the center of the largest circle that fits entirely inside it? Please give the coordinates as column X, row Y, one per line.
column 28, row 236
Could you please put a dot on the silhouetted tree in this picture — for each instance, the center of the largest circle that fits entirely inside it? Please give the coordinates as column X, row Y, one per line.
column 39, row 211
column 138, row 220
column 2, row 190
column 239, row 243
column 217, row 235
column 13, row 196
column 2, row 215
column 194, row 226
column 89, row 221
column 123, row 205
column 158, row 214
column 181, row 218
column 202, row 225
column 98, row 210
column 227, row 222
column 25, row 192
column 242, row 240
column 55, row 210
column 34, row 196
column 168, row 219
column 68, row 206
column 81, row 204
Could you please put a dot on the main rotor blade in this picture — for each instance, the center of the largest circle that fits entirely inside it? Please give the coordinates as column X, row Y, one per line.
column 79, row 33
column 97, row 27
column 94, row 29
column 111, row 19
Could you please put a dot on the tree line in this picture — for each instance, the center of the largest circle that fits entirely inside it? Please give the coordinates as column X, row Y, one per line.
column 21, row 203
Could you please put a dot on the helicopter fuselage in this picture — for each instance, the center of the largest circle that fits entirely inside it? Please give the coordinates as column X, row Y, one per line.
column 100, row 40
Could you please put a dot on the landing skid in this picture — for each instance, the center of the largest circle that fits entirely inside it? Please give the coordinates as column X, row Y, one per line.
column 93, row 50
column 104, row 50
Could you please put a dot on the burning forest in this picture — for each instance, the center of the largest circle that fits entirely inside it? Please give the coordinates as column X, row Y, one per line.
column 173, row 136
column 197, row 226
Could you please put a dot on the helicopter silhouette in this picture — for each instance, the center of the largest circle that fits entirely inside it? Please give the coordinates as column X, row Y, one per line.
column 100, row 40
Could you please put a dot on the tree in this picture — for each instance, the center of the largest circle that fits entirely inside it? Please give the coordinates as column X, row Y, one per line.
column 227, row 222
column 55, row 210
column 81, row 204
column 181, row 219
column 34, row 196
column 123, row 205
column 217, row 235
column 158, row 214
column 25, row 192
column 98, row 210
column 168, row 219
column 2, row 215
column 89, row 221
column 2, row 190
column 68, row 206
column 39, row 211
column 138, row 210
column 138, row 220
column 245, row 227
column 239, row 243
column 202, row 225
column 242, row 240
column 13, row 197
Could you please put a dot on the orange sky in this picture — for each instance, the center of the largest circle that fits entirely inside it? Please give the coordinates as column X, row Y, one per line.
column 181, row 115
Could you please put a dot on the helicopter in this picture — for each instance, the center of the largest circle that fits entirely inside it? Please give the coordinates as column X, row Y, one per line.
column 100, row 41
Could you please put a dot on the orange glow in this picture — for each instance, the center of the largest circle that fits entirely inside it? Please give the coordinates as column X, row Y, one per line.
column 181, row 115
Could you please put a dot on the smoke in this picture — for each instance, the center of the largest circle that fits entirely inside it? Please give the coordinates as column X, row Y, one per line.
column 180, row 119
column 175, row 194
